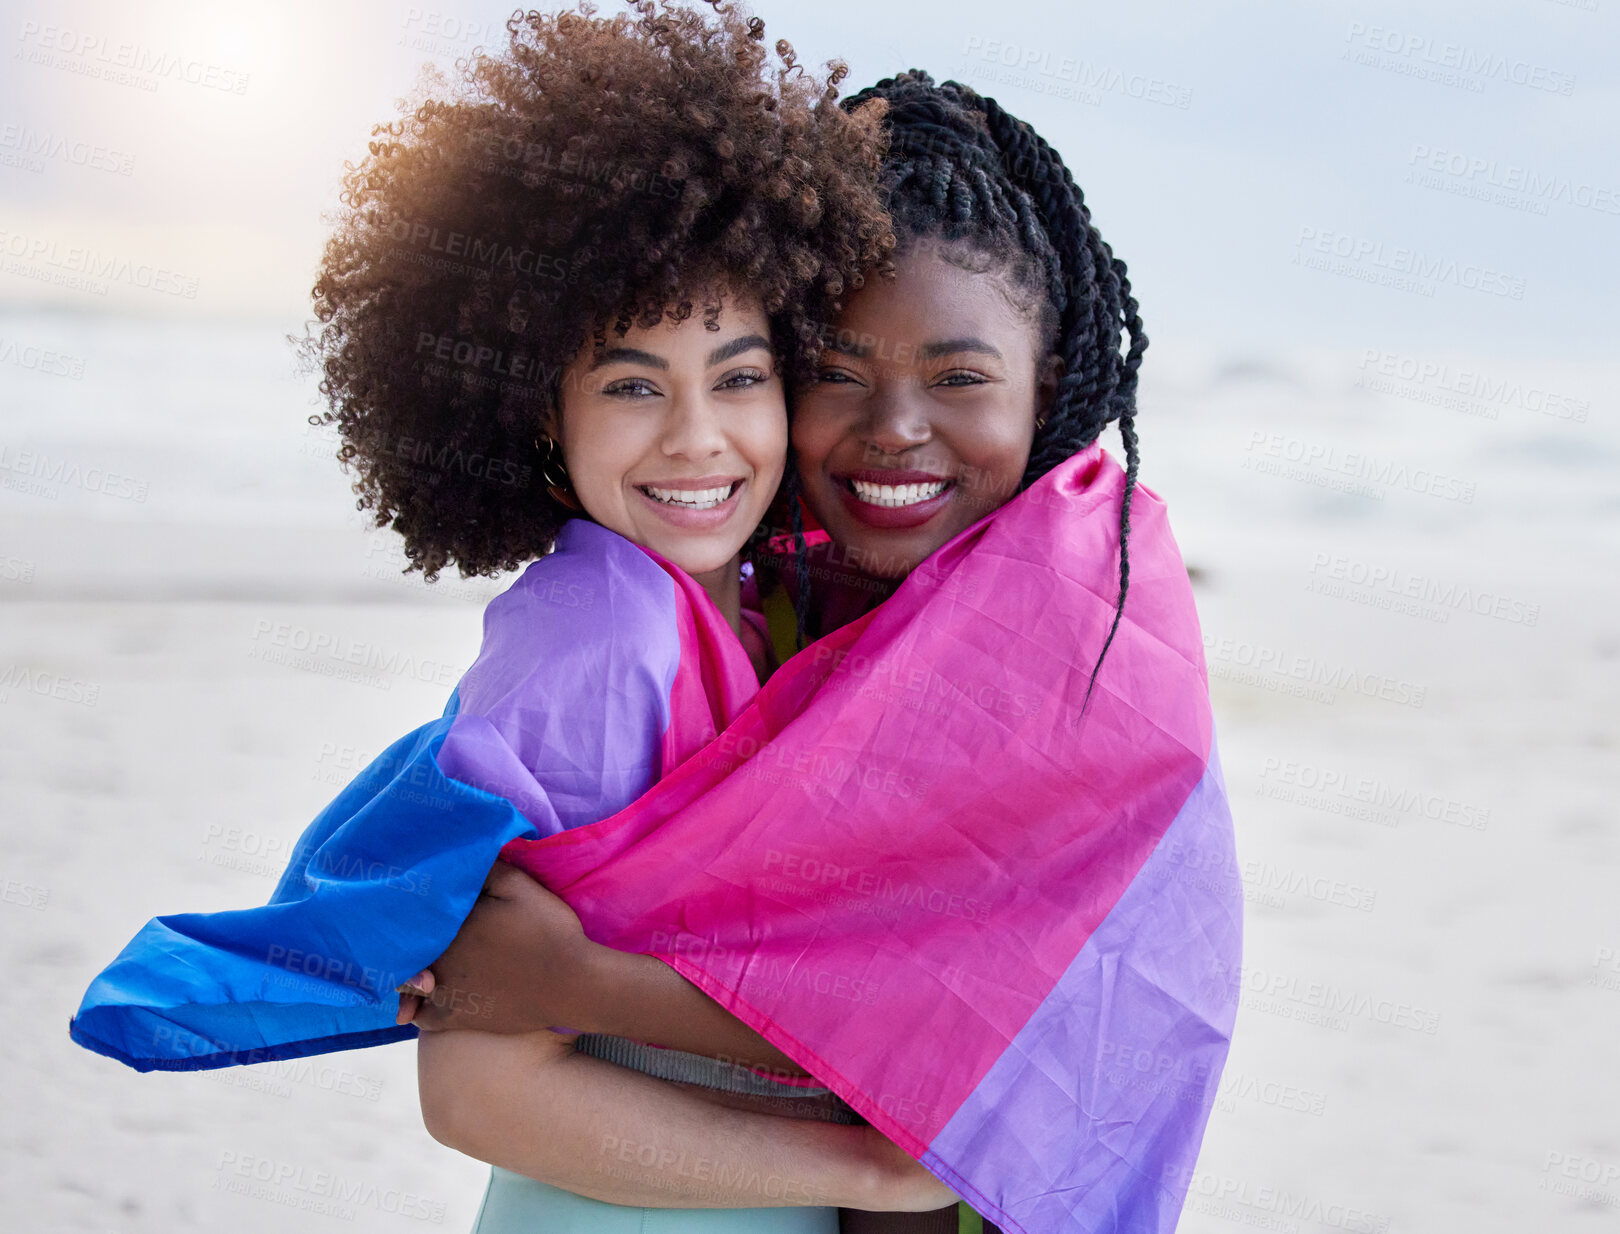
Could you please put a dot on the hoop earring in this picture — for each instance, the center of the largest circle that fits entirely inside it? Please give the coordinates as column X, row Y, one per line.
column 1040, row 423
column 561, row 490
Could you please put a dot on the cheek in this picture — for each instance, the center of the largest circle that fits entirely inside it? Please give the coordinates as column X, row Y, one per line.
column 599, row 451
column 995, row 449
column 759, row 435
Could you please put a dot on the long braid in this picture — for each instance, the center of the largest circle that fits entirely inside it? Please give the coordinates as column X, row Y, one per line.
column 962, row 168
column 792, row 487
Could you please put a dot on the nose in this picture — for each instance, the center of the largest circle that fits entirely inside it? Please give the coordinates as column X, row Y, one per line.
column 894, row 421
column 693, row 430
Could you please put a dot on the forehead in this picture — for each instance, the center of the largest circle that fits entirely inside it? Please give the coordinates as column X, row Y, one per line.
column 739, row 312
column 931, row 298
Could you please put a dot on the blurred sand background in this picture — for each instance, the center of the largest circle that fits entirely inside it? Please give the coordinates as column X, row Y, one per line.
column 1427, row 1034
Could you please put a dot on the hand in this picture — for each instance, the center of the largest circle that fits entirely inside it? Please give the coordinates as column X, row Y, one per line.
column 520, row 963
column 411, row 995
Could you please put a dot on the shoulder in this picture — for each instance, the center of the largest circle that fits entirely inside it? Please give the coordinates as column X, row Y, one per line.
column 595, row 597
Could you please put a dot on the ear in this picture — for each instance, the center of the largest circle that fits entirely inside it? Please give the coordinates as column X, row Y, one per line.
column 551, row 422
column 1047, row 377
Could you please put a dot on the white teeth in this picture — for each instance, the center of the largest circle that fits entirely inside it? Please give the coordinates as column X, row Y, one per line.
column 688, row 498
column 897, row 494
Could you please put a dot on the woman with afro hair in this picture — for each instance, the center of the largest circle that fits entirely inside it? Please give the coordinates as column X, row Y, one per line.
column 556, row 322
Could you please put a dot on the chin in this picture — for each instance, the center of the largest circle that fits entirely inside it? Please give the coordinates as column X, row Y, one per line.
column 696, row 566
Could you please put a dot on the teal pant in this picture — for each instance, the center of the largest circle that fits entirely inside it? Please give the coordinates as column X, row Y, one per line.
column 514, row 1204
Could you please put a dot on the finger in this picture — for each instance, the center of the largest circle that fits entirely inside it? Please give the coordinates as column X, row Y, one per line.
column 422, row 983
column 431, row 1018
column 408, row 1005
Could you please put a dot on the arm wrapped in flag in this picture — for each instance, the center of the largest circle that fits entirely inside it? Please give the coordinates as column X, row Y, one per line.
column 600, row 667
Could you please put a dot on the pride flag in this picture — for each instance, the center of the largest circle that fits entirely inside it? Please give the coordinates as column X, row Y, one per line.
column 909, row 861
column 601, row 667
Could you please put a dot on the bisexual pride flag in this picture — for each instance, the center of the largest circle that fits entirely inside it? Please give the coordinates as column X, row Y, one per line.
column 601, row 667
column 913, row 861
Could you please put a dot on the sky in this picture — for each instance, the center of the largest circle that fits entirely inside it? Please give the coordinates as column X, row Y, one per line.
column 1431, row 176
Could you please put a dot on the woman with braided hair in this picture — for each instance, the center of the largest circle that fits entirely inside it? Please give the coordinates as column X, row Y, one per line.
column 975, row 188
column 969, row 622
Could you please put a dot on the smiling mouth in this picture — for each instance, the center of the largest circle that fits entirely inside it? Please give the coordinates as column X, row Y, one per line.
column 691, row 498
column 895, row 496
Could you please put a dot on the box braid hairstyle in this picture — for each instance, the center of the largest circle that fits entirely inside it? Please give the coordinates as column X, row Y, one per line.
column 594, row 172
column 963, row 171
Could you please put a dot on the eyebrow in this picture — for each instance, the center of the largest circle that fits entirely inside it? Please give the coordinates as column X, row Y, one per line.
column 736, row 347
column 634, row 355
column 627, row 355
column 928, row 351
column 932, row 351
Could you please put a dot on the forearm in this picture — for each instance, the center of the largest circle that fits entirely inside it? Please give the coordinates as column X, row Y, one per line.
column 642, row 998
column 530, row 1104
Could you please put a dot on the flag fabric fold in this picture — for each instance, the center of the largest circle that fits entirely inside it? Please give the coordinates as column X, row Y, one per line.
column 983, row 918
column 601, row 665
column 909, row 860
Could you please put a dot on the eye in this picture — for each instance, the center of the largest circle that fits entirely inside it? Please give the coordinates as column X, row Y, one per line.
column 630, row 387
column 743, row 379
column 962, row 377
column 836, row 376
